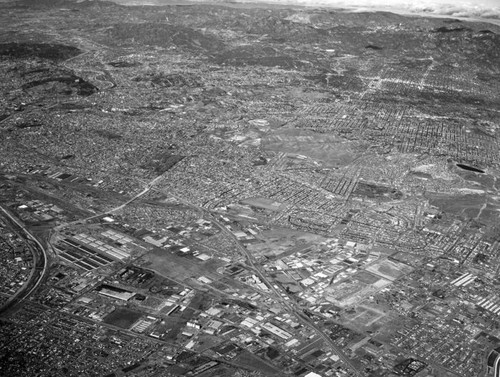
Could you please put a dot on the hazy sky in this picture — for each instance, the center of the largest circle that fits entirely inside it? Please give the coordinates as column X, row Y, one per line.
column 476, row 9
column 480, row 8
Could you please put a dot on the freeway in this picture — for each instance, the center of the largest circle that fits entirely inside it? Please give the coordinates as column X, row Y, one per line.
column 37, row 278
column 40, row 267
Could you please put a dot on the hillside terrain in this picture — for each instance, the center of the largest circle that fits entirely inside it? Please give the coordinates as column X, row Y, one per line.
column 202, row 189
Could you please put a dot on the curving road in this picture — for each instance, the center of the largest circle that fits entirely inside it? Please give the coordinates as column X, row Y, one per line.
column 40, row 267
column 496, row 367
column 146, row 189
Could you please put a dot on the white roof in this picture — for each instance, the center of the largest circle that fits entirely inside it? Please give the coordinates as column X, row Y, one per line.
column 312, row 374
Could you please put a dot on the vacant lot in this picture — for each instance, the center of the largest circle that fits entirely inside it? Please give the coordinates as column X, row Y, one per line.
column 389, row 269
column 122, row 317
